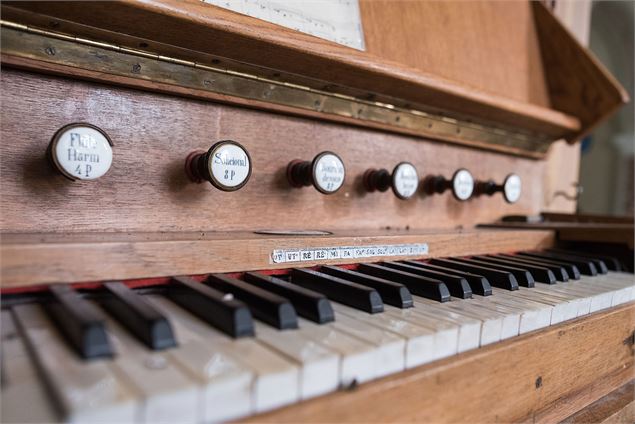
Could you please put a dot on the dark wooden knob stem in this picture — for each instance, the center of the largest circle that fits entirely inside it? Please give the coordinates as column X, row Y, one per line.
column 377, row 180
column 300, row 173
column 196, row 166
column 436, row 184
column 488, row 187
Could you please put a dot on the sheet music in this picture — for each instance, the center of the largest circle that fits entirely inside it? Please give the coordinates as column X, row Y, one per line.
column 334, row 20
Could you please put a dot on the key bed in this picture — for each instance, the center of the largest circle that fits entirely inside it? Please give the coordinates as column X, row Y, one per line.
column 195, row 352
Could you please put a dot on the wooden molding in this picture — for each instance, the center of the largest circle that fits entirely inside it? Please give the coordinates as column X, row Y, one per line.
column 542, row 376
column 32, row 259
column 191, row 24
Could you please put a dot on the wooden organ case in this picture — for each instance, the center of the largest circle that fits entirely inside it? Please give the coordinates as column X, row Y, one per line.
column 500, row 90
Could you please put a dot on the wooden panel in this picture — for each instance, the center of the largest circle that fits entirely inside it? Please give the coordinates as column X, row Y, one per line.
column 146, row 190
column 578, row 83
column 616, row 407
column 491, row 46
column 192, row 24
column 41, row 258
column 620, row 233
column 510, row 381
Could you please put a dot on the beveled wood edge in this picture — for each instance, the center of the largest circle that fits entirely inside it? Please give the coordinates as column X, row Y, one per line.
column 241, row 38
column 26, row 261
column 463, row 375
column 154, row 86
column 619, row 233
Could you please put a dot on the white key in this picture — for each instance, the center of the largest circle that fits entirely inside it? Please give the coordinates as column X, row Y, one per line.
column 571, row 293
column 168, row 394
column 621, row 289
column 490, row 325
column 23, row 396
column 469, row 329
column 563, row 308
column 276, row 382
column 390, row 356
column 319, row 366
column 511, row 315
column 446, row 333
column 600, row 297
column 419, row 340
column 225, row 384
column 357, row 357
column 524, row 314
column 492, row 321
column 85, row 391
column 535, row 316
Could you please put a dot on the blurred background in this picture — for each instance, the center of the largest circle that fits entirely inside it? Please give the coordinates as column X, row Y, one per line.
column 607, row 155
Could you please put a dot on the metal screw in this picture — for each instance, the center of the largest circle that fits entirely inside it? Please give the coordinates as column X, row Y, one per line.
column 207, row 83
column 50, row 51
column 136, row 68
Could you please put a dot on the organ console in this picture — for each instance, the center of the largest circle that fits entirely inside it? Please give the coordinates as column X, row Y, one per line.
column 143, row 296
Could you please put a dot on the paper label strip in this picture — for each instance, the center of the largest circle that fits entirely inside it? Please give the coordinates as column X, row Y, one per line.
column 315, row 254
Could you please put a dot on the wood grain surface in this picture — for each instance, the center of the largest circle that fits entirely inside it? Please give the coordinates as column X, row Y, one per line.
column 616, row 407
column 191, row 24
column 31, row 259
column 569, row 365
column 488, row 45
column 146, row 189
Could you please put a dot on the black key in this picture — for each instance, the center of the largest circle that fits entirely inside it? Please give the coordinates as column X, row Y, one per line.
column 598, row 262
column 612, row 264
column 523, row 277
column 229, row 315
column 418, row 285
column 586, row 267
column 309, row 304
column 391, row 293
column 540, row 273
column 479, row 284
column 80, row 322
column 352, row 294
column 268, row 307
column 138, row 315
column 458, row 286
column 501, row 279
column 558, row 271
column 572, row 270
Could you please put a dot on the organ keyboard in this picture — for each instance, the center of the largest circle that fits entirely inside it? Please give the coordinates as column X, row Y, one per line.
column 133, row 291
column 222, row 347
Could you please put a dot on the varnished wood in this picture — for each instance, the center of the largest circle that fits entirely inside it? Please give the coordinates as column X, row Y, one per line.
column 462, row 41
column 49, row 258
column 619, row 233
column 190, row 24
column 616, row 407
column 147, row 190
column 345, row 117
column 516, row 380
